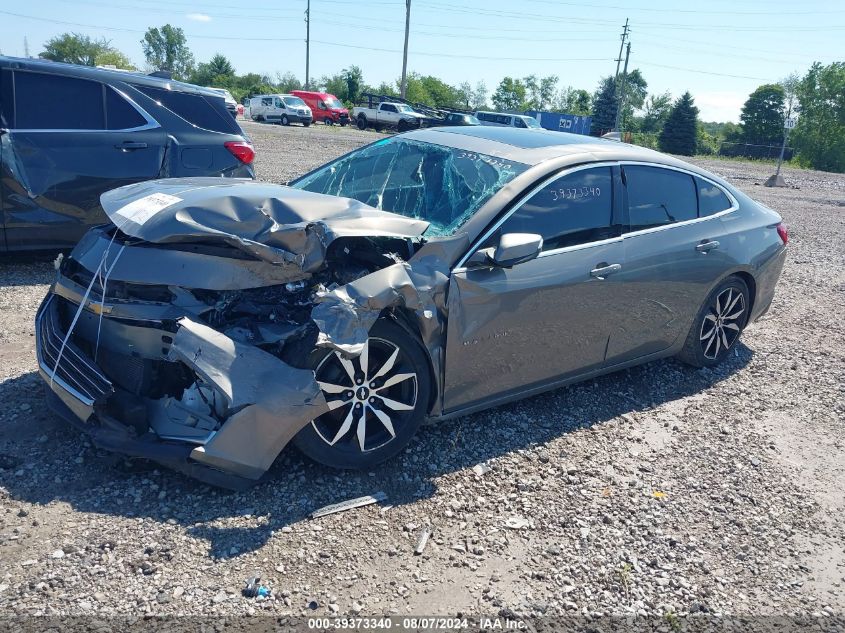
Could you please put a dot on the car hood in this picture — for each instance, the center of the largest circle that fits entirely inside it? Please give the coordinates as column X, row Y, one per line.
column 275, row 223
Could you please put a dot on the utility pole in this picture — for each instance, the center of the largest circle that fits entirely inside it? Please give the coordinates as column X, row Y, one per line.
column 404, row 85
column 25, row 47
column 307, row 41
column 621, row 101
column 621, row 46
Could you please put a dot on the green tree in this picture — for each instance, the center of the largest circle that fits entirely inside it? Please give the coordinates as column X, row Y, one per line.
column 762, row 115
column 479, row 96
column 113, row 57
column 353, row 79
column 819, row 135
column 166, row 48
column 604, row 107
column 656, row 110
column 285, row 82
column 680, row 133
column 573, row 101
column 539, row 92
column 510, row 95
column 465, row 94
column 216, row 72
column 74, row 48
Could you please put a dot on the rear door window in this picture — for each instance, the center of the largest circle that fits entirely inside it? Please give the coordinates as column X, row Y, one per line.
column 206, row 112
column 53, row 102
column 574, row 209
column 711, row 198
column 658, row 196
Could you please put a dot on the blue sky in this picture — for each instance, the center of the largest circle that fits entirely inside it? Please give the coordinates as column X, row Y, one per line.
column 719, row 50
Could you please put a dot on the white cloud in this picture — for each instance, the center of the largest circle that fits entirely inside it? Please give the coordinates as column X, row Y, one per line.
column 199, row 17
column 720, row 106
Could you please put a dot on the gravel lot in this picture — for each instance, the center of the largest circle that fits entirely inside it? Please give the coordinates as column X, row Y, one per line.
column 657, row 490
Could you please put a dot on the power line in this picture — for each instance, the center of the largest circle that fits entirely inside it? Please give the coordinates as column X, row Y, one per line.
column 674, row 10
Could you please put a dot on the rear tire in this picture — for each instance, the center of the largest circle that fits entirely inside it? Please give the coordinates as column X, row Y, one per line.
column 285, row 120
column 306, row 123
column 362, row 122
column 718, row 324
column 392, row 398
column 328, row 121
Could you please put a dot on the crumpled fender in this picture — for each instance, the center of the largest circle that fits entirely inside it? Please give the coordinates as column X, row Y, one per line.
column 345, row 315
column 270, row 400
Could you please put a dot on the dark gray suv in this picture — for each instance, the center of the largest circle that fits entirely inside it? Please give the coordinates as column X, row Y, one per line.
column 69, row 133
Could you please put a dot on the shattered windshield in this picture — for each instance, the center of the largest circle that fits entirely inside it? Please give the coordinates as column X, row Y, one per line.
column 442, row 185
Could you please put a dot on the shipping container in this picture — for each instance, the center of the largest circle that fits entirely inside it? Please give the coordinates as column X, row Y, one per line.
column 560, row 122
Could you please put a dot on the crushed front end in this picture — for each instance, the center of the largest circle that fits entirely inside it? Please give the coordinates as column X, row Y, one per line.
column 195, row 353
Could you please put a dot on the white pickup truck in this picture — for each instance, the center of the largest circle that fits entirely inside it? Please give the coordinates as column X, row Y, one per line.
column 394, row 115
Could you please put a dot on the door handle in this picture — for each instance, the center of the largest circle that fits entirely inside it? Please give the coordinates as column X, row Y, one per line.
column 129, row 145
column 603, row 269
column 707, row 246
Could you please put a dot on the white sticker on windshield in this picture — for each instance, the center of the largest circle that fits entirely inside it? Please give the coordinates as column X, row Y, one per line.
column 141, row 210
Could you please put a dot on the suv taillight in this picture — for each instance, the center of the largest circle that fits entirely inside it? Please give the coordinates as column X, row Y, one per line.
column 241, row 150
column 784, row 234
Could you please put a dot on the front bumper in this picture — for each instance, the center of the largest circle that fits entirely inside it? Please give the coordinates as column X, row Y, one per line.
column 272, row 401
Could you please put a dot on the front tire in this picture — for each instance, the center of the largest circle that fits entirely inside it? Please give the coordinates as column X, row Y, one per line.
column 306, row 123
column 718, row 324
column 378, row 400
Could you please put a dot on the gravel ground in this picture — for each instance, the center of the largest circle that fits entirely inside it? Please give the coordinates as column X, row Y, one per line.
column 658, row 490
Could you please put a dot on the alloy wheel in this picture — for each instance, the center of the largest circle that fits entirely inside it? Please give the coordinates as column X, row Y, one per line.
column 722, row 324
column 370, row 397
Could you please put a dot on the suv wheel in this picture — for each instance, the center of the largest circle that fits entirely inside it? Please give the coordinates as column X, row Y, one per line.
column 285, row 120
column 378, row 400
column 328, row 121
column 718, row 325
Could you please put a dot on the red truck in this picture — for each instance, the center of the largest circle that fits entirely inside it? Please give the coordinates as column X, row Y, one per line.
column 325, row 107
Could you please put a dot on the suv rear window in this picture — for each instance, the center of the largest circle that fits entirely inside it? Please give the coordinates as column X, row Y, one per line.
column 208, row 113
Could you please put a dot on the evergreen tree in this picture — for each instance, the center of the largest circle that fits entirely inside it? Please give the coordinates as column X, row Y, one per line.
column 679, row 135
column 604, row 107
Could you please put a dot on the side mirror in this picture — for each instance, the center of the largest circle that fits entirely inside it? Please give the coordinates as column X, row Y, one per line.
column 513, row 249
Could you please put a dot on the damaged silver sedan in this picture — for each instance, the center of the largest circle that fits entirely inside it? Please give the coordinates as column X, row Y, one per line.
column 428, row 275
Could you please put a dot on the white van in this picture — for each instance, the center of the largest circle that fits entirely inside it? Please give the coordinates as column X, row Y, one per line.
column 507, row 120
column 284, row 109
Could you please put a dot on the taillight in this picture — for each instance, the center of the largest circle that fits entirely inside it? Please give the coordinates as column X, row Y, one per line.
column 784, row 234
column 241, row 150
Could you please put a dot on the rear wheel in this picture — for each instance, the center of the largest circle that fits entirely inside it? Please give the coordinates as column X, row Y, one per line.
column 285, row 120
column 718, row 325
column 306, row 123
column 328, row 121
column 377, row 401
column 362, row 122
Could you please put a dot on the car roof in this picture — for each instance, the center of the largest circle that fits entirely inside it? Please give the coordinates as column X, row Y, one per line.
column 535, row 146
column 101, row 74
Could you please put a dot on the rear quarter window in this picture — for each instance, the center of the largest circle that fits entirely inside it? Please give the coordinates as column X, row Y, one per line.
column 120, row 114
column 711, row 199
column 206, row 112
